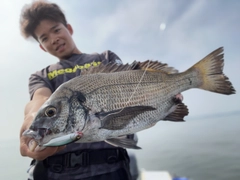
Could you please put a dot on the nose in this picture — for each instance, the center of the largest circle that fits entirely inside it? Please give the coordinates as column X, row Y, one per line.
column 55, row 40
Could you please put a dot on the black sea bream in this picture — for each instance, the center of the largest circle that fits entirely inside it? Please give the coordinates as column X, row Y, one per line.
column 110, row 101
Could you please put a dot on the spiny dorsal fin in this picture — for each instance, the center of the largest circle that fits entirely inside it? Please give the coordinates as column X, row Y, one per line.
column 146, row 65
column 106, row 68
column 156, row 66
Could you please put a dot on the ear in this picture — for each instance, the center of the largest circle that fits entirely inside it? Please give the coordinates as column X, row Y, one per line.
column 70, row 29
column 42, row 47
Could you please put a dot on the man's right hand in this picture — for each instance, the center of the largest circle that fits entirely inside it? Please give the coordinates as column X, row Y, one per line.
column 37, row 153
column 40, row 96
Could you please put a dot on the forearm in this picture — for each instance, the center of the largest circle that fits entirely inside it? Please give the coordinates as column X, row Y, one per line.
column 31, row 109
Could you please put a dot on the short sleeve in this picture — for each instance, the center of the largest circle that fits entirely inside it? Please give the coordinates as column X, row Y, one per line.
column 111, row 57
column 37, row 81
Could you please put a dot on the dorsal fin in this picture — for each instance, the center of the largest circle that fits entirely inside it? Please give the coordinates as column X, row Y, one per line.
column 146, row 65
column 156, row 66
column 107, row 68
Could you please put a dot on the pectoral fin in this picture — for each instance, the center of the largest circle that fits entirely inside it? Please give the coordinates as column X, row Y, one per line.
column 118, row 119
column 123, row 142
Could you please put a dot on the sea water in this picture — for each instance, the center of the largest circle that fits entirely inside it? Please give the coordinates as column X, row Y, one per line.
column 200, row 149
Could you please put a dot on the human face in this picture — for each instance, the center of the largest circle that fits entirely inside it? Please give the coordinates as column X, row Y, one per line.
column 56, row 39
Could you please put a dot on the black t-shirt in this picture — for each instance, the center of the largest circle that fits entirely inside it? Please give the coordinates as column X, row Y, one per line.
column 56, row 74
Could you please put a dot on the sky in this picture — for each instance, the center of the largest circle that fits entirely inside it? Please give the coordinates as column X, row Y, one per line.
column 176, row 32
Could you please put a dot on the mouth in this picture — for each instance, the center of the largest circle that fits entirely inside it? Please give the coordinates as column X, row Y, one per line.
column 38, row 134
column 60, row 47
column 43, row 137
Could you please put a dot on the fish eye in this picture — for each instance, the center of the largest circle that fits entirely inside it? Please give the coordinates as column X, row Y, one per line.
column 50, row 112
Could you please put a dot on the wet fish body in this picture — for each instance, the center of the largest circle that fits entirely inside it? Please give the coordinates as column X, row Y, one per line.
column 112, row 101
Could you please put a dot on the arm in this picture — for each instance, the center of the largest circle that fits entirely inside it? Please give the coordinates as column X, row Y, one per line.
column 39, row 97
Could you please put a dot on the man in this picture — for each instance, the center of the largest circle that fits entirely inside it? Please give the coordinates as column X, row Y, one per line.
column 46, row 23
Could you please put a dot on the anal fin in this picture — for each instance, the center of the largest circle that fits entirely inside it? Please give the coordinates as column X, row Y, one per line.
column 123, row 142
column 177, row 116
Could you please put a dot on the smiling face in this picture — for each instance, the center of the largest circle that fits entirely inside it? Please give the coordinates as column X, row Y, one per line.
column 56, row 39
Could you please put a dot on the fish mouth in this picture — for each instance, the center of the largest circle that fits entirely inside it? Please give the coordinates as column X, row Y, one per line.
column 37, row 134
column 44, row 137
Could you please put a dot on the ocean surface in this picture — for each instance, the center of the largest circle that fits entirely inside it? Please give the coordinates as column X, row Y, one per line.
column 206, row 148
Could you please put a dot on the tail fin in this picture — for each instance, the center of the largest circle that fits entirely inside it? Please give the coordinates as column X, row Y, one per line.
column 211, row 70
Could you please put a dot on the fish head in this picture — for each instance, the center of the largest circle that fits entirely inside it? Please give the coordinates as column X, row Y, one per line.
column 59, row 116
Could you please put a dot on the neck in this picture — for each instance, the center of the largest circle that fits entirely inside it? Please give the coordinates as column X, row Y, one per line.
column 76, row 51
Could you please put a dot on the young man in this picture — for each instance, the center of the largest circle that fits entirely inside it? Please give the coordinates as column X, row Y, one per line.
column 47, row 24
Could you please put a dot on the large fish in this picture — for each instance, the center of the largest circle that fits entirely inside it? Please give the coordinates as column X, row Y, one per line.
column 111, row 101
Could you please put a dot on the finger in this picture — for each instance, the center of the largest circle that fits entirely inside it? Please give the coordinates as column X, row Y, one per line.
column 32, row 145
column 43, row 154
column 60, row 148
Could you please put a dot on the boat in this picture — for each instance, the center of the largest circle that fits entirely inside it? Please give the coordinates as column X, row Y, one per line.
column 159, row 175
column 149, row 175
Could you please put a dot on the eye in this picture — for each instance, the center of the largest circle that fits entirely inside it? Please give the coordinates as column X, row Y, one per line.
column 44, row 39
column 57, row 30
column 50, row 112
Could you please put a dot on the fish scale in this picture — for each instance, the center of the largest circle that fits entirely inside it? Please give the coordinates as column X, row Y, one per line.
column 121, row 94
column 147, row 119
